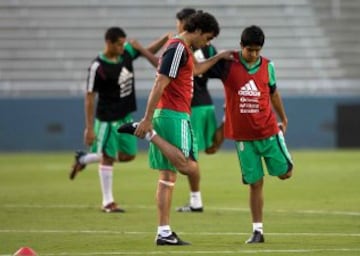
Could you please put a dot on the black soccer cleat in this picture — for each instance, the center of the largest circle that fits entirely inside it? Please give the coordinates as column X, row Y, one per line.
column 256, row 237
column 77, row 166
column 173, row 239
column 188, row 208
column 128, row 128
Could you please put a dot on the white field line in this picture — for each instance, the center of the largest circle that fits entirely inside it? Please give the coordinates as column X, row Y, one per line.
column 230, row 209
column 265, row 251
column 112, row 232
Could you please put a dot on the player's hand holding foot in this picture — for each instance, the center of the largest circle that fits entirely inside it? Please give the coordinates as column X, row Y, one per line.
column 143, row 127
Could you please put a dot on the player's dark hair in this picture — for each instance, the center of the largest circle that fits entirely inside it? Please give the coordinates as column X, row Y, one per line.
column 114, row 33
column 252, row 35
column 185, row 13
column 203, row 21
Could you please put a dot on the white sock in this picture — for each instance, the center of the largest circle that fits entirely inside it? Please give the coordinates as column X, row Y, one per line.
column 90, row 158
column 164, row 231
column 258, row 226
column 106, row 180
column 195, row 199
column 150, row 135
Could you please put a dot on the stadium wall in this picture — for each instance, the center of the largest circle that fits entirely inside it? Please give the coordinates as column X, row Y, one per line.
column 56, row 124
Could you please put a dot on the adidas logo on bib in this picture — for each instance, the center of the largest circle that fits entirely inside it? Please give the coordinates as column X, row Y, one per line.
column 249, row 89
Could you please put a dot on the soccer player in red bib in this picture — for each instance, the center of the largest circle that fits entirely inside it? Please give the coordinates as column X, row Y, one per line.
column 168, row 113
column 251, row 95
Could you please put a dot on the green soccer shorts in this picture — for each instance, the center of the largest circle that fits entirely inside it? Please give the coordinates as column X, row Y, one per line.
column 272, row 150
column 204, row 124
column 176, row 129
column 110, row 142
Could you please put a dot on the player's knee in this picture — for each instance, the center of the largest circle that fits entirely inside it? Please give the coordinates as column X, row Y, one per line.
column 181, row 163
column 188, row 167
column 288, row 174
column 182, row 167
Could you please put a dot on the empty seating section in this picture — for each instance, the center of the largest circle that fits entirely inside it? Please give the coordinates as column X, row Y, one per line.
column 46, row 46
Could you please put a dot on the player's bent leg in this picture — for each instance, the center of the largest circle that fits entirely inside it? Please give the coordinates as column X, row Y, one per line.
column 176, row 157
column 288, row 172
column 186, row 166
column 77, row 165
column 278, row 159
column 122, row 157
column 286, row 175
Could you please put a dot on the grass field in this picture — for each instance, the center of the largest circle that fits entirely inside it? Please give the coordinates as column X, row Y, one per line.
column 317, row 212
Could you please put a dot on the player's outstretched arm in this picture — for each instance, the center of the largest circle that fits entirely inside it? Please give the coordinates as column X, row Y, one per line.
column 203, row 66
column 145, row 52
column 156, row 45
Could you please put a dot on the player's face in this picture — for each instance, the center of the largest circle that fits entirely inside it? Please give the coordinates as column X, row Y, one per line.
column 202, row 39
column 251, row 53
column 117, row 48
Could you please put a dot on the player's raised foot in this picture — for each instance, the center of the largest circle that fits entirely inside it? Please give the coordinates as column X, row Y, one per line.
column 188, row 208
column 77, row 166
column 256, row 237
column 128, row 128
column 112, row 208
column 173, row 239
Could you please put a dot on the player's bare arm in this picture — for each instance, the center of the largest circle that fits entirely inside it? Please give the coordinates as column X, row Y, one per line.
column 202, row 67
column 89, row 134
column 156, row 45
column 276, row 101
column 153, row 48
column 145, row 125
column 144, row 52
